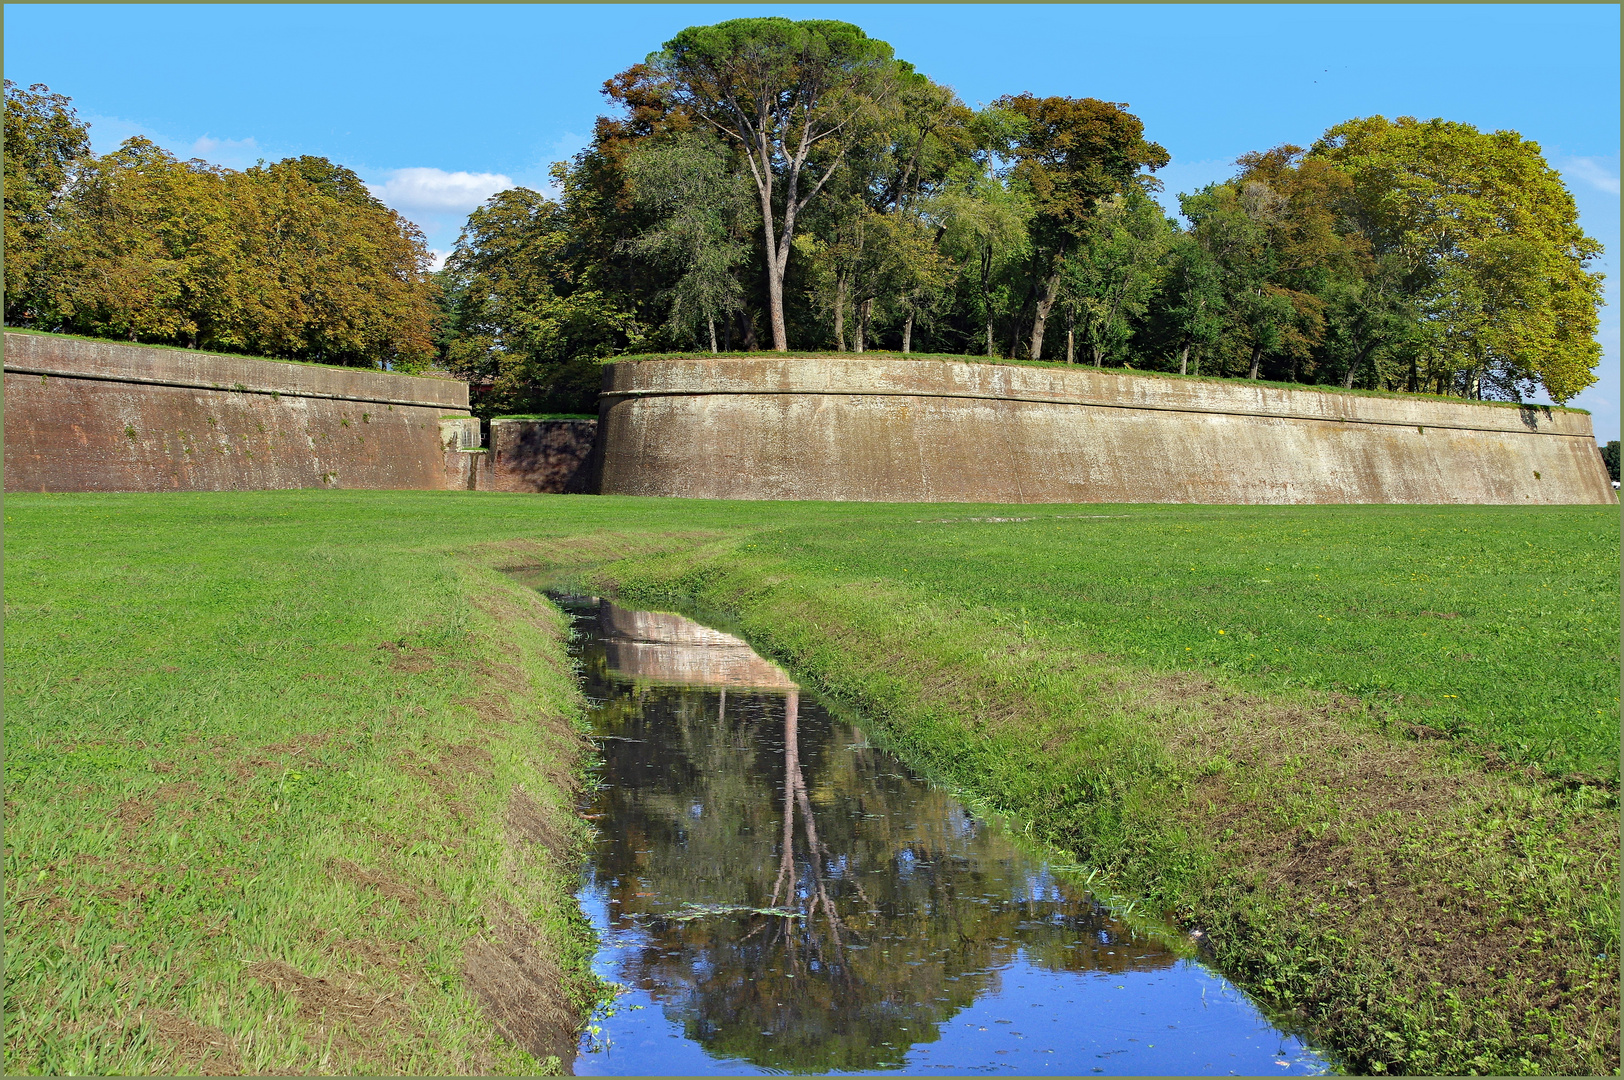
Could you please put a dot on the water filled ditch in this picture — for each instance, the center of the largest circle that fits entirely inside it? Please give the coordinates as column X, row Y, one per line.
column 777, row 895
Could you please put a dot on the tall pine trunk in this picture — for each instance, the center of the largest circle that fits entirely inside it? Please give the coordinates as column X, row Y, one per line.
column 907, row 332
column 710, row 324
column 1184, row 359
column 864, row 310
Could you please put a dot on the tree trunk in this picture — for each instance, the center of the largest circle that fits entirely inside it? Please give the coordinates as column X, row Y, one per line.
column 907, row 332
column 775, row 308
column 1051, row 292
column 1071, row 339
column 776, row 257
column 1257, row 361
column 986, row 293
column 1184, row 359
column 840, row 312
column 1353, row 368
column 727, row 334
column 710, row 323
column 864, row 311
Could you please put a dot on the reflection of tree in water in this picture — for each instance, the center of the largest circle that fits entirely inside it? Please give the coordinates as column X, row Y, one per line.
column 907, row 905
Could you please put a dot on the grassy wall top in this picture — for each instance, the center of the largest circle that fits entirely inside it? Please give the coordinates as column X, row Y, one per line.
column 880, row 354
column 217, row 352
column 546, row 416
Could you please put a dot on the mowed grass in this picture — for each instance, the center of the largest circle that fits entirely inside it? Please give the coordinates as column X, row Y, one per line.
column 256, row 790
column 259, row 738
column 1496, row 625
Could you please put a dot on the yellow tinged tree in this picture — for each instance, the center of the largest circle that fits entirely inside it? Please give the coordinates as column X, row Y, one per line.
column 1491, row 242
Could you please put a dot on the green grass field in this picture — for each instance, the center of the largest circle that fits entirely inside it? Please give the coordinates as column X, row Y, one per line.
column 262, row 752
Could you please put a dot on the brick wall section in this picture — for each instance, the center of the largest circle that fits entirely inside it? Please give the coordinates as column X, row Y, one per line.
column 939, row 431
column 552, row 456
column 104, row 416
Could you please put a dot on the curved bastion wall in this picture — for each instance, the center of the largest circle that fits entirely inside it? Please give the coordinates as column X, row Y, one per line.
column 908, row 430
column 106, row 416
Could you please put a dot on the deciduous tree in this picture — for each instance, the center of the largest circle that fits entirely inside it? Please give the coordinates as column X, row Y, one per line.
column 1490, row 238
column 1071, row 154
column 45, row 143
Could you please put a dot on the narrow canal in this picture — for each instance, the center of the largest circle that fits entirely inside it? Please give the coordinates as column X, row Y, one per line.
column 776, row 895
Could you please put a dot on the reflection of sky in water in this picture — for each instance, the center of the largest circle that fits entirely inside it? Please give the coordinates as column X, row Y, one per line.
column 925, row 940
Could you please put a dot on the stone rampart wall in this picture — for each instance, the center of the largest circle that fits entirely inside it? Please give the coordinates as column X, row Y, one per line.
column 939, row 431
column 104, row 416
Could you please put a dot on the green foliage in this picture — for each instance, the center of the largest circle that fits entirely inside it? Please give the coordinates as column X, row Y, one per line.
column 889, row 216
column 1609, row 457
column 45, row 143
column 1110, row 279
column 519, row 321
column 793, row 98
column 1490, row 238
column 295, row 259
column 704, row 217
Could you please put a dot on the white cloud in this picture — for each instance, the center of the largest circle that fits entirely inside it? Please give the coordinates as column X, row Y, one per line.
column 107, row 133
column 1593, row 172
column 208, row 146
column 437, row 259
column 431, row 191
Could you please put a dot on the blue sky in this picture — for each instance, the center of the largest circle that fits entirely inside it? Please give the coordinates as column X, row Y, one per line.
column 439, row 106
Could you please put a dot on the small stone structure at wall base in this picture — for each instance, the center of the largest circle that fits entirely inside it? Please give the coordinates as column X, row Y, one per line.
column 549, row 456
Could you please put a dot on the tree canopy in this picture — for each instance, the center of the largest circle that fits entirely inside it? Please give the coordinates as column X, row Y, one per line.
column 773, row 183
column 293, row 259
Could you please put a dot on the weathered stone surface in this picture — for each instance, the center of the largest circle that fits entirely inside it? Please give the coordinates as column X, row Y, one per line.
column 938, row 431
column 102, row 416
column 553, row 456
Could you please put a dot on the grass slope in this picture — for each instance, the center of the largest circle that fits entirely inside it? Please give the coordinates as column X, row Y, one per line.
column 277, row 802
column 1369, row 752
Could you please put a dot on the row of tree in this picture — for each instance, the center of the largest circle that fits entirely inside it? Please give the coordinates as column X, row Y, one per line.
column 765, row 183
column 294, row 259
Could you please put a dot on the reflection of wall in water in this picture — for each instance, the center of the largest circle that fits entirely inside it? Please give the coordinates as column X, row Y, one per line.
column 661, row 647
column 926, row 901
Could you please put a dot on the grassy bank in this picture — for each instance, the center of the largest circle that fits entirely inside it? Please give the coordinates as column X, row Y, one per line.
column 280, row 804
column 1370, row 753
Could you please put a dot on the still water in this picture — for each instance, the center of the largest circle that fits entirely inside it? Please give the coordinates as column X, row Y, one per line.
column 777, row 895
